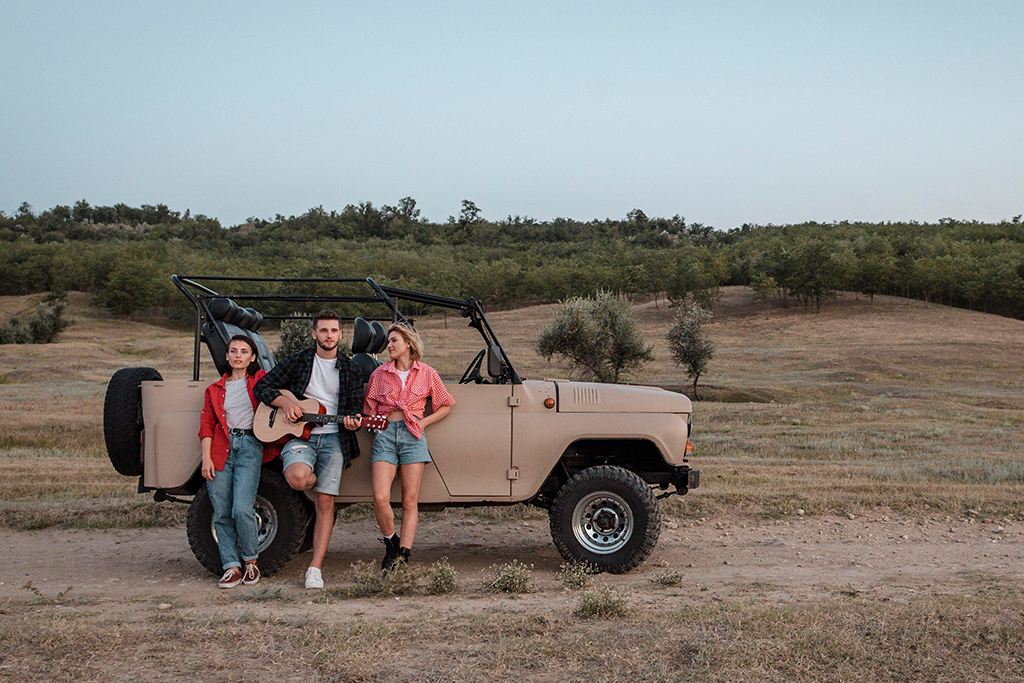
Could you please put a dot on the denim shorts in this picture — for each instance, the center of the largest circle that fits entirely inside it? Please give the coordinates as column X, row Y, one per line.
column 323, row 455
column 398, row 447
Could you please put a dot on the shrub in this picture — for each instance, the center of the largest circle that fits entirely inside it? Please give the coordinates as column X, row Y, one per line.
column 601, row 603
column 511, row 577
column 443, row 578
column 40, row 326
column 14, row 332
column 689, row 344
column 576, row 575
column 47, row 321
column 296, row 335
column 596, row 337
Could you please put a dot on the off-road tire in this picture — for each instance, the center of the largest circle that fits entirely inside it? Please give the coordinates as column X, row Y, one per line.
column 625, row 505
column 122, row 418
column 279, row 501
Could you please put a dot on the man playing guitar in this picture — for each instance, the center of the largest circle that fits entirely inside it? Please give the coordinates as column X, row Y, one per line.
column 331, row 378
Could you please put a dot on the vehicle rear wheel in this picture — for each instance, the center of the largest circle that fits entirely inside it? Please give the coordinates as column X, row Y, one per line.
column 283, row 521
column 122, row 418
column 607, row 517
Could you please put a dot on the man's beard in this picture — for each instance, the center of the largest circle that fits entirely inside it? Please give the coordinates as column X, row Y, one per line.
column 326, row 348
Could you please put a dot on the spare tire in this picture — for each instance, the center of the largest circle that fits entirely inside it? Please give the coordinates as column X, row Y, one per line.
column 122, row 418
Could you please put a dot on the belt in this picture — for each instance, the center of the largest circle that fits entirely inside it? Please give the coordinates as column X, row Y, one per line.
column 235, row 431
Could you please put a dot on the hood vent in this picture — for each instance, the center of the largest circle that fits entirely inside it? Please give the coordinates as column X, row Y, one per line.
column 585, row 396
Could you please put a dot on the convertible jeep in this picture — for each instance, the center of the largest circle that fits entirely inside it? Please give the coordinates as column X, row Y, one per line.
column 596, row 456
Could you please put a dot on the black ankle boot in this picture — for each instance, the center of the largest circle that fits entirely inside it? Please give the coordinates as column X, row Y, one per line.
column 403, row 555
column 390, row 552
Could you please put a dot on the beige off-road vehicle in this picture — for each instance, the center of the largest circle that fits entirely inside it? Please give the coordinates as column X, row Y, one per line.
column 596, row 456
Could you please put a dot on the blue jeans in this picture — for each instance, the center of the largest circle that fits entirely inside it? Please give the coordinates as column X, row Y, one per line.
column 233, row 495
column 398, row 447
column 322, row 453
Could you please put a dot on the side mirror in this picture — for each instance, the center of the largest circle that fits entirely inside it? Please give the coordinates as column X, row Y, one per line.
column 494, row 363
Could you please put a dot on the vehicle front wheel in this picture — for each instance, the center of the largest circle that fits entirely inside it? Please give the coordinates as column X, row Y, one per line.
column 282, row 519
column 605, row 516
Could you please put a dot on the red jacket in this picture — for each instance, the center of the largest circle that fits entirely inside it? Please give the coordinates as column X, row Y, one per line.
column 214, row 423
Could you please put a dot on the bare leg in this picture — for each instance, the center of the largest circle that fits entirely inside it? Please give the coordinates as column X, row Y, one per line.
column 382, row 475
column 324, row 527
column 300, row 476
column 411, row 476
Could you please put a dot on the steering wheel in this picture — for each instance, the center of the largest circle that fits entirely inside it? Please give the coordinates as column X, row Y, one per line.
column 472, row 374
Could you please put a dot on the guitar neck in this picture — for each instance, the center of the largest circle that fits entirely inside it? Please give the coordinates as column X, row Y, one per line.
column 316, row 418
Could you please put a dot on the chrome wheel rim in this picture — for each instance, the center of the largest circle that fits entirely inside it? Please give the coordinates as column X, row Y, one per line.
column 266, row 524
column 602, row 523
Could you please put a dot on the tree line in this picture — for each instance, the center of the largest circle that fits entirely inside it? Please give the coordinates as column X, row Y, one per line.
column 124, row 256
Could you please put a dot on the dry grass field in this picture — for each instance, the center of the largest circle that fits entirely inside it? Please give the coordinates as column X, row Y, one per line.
column 860, row 518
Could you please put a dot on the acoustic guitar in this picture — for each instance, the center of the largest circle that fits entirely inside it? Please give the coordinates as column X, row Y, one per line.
column 271, row 426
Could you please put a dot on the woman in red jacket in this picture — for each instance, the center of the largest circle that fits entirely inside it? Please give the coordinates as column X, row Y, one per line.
column 232, row 459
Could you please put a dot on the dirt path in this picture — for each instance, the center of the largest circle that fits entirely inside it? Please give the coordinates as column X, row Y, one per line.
column 804, row 559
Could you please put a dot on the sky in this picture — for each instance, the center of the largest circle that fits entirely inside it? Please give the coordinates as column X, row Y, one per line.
column 723, row 112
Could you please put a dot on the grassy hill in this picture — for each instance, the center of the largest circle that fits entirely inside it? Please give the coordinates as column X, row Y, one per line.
column 888, row 404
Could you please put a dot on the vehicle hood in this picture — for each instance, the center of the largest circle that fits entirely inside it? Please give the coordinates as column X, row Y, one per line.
column 590, row 397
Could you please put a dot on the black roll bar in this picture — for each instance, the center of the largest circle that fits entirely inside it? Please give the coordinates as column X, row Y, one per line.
column 199, row 294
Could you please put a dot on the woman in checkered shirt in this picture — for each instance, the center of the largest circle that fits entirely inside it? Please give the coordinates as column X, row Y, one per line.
column 399, row 389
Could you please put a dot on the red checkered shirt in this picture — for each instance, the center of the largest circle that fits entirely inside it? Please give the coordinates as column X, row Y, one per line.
column 385, row 395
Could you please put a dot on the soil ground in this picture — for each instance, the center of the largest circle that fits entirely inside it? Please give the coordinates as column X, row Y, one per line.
column 144, row 586
column 792, row 560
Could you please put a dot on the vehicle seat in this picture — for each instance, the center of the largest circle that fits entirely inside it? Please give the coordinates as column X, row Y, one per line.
column 229, row 319
column 368, row 339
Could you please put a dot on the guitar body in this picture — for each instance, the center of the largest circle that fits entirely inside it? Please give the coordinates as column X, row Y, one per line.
column 270, row 425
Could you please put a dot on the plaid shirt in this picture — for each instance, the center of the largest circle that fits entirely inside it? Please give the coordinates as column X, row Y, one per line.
column 385, row 395
column 293, row 374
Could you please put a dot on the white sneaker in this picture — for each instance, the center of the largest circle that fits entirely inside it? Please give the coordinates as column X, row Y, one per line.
column 314, row 579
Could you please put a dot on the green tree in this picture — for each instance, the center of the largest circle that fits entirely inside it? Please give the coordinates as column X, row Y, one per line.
column 765, row 289
column 596, row 337
column 131, row 288
column 815, row 274
column 689, row 343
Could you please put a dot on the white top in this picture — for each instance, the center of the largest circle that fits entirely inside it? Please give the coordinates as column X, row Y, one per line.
column 404, row 374
column 237, row 405
column 324, row 385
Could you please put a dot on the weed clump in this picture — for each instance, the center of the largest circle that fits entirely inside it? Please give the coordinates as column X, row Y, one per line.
column 601, row 603
column 576, row 575
column 264, row 594
column 668, row 579
column 443, row 578
column 511, row 577
column 369, row 581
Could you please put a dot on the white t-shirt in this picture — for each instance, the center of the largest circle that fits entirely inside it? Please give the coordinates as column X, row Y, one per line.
column 404, row 374
column 324, row 385
column 237, row 405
